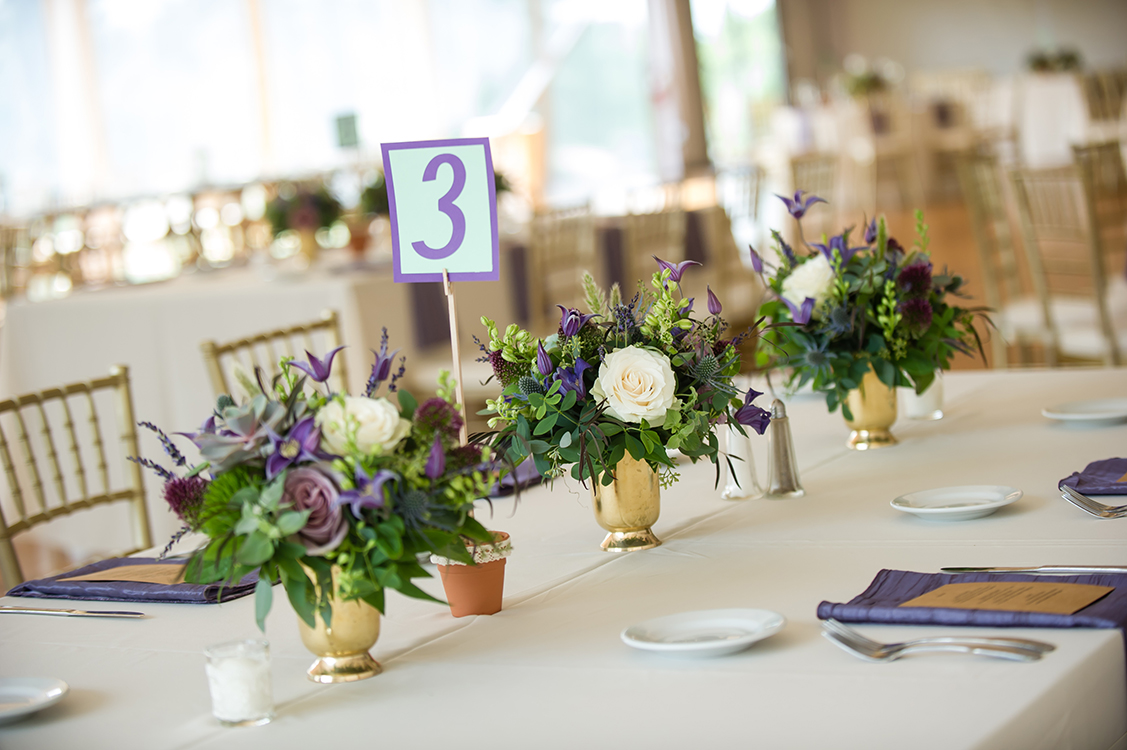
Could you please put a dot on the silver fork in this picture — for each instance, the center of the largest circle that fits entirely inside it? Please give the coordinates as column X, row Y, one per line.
column 1017, row 649
column 1093, row 507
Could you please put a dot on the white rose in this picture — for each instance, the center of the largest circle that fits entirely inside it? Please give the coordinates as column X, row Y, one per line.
column 813, row 279
column 371, row 425
column 637, row 384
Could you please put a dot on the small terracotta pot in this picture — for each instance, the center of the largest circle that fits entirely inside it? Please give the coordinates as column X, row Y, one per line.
column 475, row 589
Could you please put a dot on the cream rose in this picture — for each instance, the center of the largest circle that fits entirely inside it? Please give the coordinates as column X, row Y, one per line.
column 813, row 279
column 637, row 384
column 369, row 425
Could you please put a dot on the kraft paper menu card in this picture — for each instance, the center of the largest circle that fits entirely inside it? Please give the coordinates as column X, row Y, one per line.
column 1013, row 596
column 167, row 574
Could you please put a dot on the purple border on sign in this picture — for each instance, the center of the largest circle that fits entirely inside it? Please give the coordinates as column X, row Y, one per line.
column 401, row 277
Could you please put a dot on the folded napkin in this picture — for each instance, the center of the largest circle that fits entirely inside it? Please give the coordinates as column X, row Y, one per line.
column 524, row 475
column 1107, row 477
column 57, row 587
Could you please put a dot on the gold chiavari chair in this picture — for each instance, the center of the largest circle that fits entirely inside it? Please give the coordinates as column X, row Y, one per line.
column 817, row 175
column 661, row 233
column 728, row 272
column 561, row 247
column 1066, row 261
column 266, row 349
column 61, row 468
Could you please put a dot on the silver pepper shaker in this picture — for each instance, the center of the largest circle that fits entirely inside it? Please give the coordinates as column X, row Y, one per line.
column 782, row 468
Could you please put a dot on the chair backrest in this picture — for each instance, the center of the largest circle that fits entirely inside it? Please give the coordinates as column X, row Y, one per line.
column 739, row 191
column 1063, row 246
column 266, row 349
column 817, row 174
column 55, row 468
column 1101, row 166
column 981, row 179
column 561, row 247
column 661, row 233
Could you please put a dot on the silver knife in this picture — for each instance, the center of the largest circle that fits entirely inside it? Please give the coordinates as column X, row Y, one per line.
column 1055, row 569
column 70, row 612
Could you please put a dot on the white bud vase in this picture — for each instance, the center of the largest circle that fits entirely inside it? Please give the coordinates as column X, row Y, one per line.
column 739, row 466
column 927, row 405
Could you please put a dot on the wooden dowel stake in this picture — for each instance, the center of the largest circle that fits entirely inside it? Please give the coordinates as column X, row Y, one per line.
column 457, row 369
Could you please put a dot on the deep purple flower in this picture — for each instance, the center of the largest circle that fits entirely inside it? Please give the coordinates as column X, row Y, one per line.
column 871, row 232
column 369, row 492
column 318, row 368
column 750, row 415
column 675, row 269
column 572, row 321
column 543, row 361
column 714, row 306
column 837, row 243
column 800, row 315
column 436, row 461
column 917, row 314
column 571, row 379
column 756, row 261
column 798, row 207
column 915, row 280
column 184, row 496
column 300, row 445
column 308, row 488
column 381, row 369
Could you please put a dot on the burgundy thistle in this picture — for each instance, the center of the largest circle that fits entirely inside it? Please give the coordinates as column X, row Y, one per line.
column 184, row 496
column 312, row 490
column 917, row 315
column 439, row 416
column 505, row 371
column 915, row 280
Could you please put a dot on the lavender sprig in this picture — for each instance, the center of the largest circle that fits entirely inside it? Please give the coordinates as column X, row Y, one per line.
column 160, row 471
column 166, row 442
column 392, row 387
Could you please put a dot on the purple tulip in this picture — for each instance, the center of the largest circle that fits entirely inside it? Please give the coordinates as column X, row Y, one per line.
column 318, row 369
column 381, row 370
column 310, row 489
column 753, row 416
column 543, row 361
column 714, row 306
column 675, row 269
column 837, row 243
column 800, row 315
column 436, row 461
column 369, row 492
column 572, row 321
column 302, row 444
column 756, row 261
column 798, row 207
column 571, row 379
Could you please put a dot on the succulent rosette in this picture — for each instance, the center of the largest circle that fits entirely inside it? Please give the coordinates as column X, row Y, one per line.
column 634, row 376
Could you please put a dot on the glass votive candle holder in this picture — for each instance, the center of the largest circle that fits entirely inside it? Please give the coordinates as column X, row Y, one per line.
column 238, row 674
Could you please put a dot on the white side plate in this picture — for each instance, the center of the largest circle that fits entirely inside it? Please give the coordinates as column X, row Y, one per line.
column 957, row 503
column 1095, row 411
column 20, row 696
column 713, row 632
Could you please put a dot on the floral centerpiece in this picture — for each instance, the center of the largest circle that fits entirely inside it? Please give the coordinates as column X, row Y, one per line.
column 615, row 388
column 332, row 495
column 870, row 312
column 303, row 210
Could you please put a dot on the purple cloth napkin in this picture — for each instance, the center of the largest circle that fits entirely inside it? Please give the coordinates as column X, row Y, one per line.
column 56, row 587
column 525, row 475
column 1100, row 478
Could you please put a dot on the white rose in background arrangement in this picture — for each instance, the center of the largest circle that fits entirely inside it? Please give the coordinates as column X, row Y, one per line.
column 372, row 425
column 637, row 384
column 813, row 279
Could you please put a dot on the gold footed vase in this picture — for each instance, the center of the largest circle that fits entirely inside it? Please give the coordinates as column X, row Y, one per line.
column 628, row 506
column 342, row 650
column 874, row 411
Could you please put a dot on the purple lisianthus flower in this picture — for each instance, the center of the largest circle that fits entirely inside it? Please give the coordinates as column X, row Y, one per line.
column 800, row 314
column 871, row 232
column 436, row 461
column 543, row 361
column 675, row 269
column 799, row 206
column 318, row 368
column 915, row 280
column 572, row 321
column 302, row 444
column 571, row 379
column 750, row 415
column 311, row 489
column 714, row 306
column 381, row 369
column 756, row 261
column 837, row 243
column 369, row 492
column 917, row 314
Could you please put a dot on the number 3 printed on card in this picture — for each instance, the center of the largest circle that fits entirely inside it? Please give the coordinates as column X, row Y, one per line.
column 446, row 205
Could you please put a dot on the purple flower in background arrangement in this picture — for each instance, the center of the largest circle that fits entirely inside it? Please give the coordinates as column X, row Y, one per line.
column 571, row 379
column 318, row 368
column 756, row 261
column 800, row 314
column 572, row 321
column 714, row 306
column 300, row 445
column 381, row 370
column 837, row 243
column 799, row 206
column 184, row 496
column 915, row 280
column 543, row 361
column 871, row 232
column 369, row 492
column 436, row 461
column 917, row 314
column 311, row 489
column 676, row 270
column 750, row 415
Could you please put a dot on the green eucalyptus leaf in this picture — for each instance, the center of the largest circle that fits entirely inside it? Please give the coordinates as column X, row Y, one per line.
column 292, row 521
column 255, row 549
column 263, row 600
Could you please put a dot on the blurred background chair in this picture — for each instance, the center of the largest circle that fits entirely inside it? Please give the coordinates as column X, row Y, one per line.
column 561, row 247
column 661, row 233
column 229, row 361
column 55, row 467
column 817, row 174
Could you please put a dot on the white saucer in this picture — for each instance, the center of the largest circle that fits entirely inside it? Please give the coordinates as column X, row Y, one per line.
column 957, row 503
column 713, row 632
column 20, row 696
column 1097, row 411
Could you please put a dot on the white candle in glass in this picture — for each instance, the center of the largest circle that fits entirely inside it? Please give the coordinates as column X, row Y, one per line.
column 238, row 674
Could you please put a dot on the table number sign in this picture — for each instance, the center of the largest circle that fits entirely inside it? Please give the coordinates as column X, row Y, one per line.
column 443, row 206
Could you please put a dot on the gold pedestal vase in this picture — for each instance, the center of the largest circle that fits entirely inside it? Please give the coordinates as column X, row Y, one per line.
column 309, row 249
column 628, row 506
column 873, row 406
column 342, row 649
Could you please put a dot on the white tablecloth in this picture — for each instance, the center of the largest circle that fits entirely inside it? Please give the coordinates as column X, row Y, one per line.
column 550, row 670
